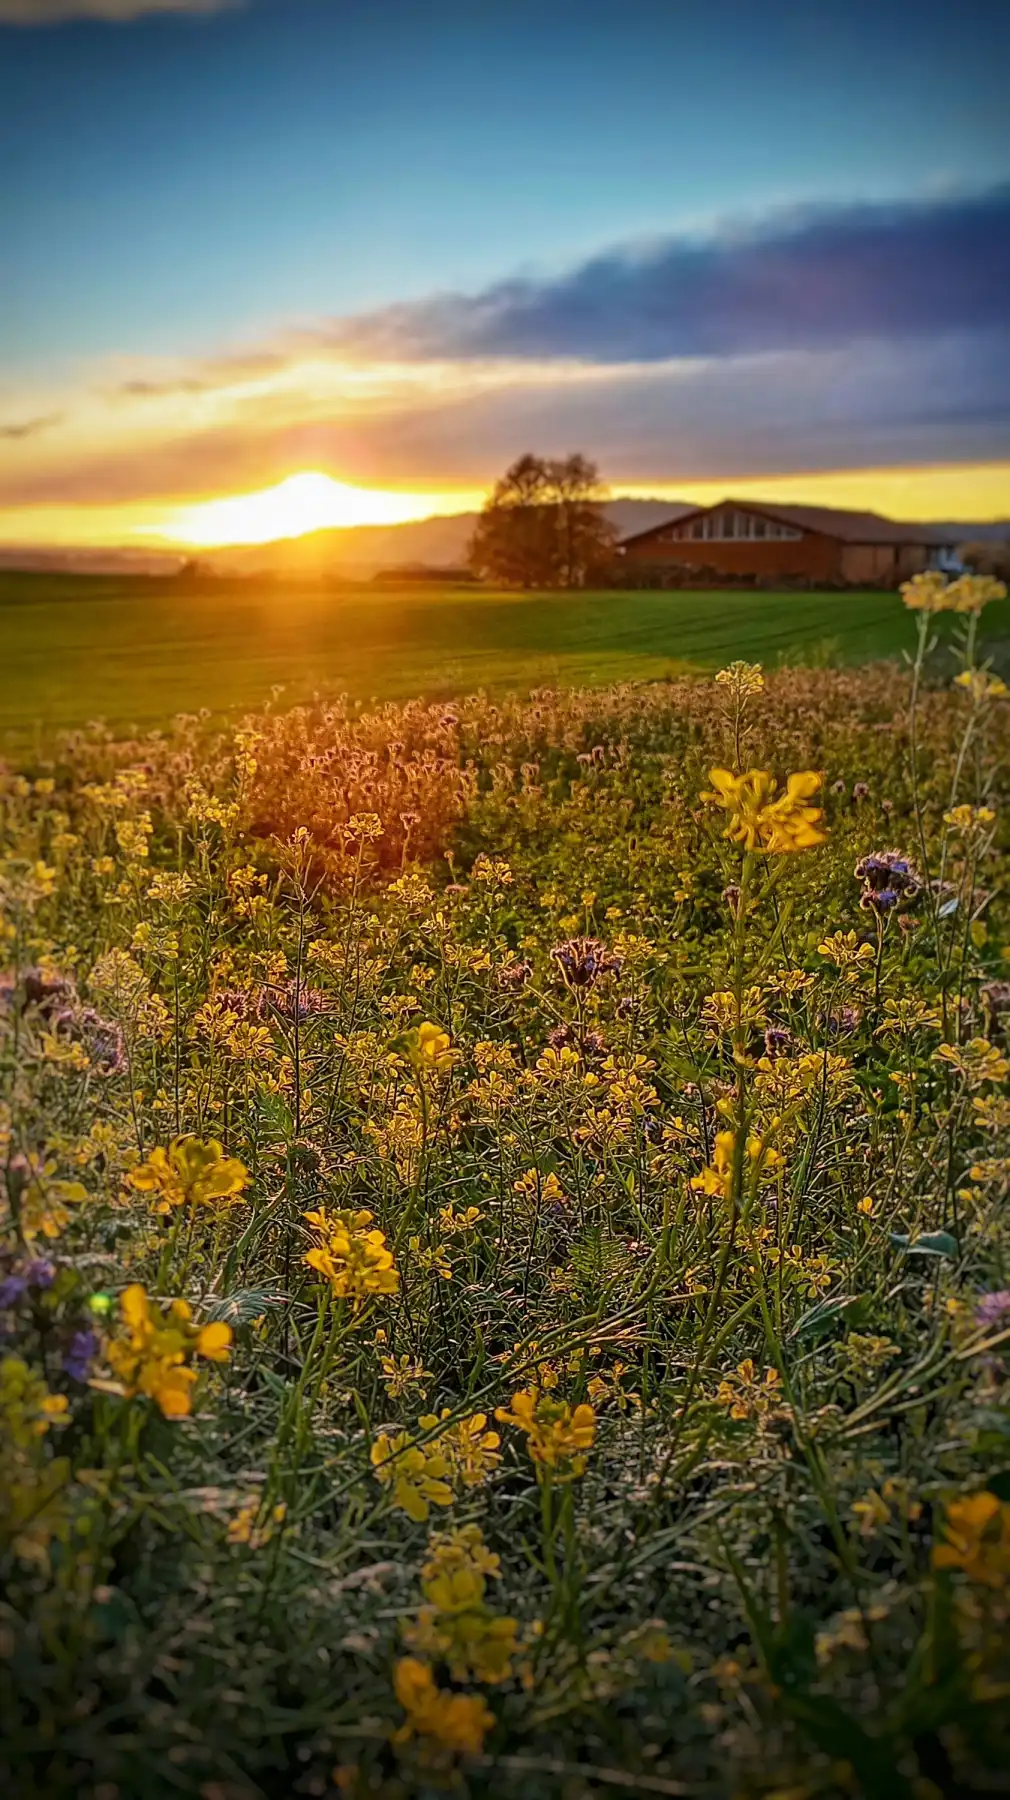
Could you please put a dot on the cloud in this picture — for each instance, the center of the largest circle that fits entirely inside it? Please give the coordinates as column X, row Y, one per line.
column 27, row 428
column 868, row 406
column 57, row 12
column 810, row 279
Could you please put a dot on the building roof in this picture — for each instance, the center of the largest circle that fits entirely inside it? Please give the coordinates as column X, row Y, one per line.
column 828, row 521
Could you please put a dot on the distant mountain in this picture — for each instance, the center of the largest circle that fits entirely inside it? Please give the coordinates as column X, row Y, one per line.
column 91, row 562
column 356, row 551
column 361, row 549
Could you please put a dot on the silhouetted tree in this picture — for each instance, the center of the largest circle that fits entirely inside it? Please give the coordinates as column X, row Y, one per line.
column 543, row 525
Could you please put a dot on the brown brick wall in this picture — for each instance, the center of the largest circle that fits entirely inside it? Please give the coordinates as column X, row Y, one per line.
column 817, row 557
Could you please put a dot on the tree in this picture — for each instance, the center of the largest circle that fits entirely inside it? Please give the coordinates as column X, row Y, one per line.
column 987, row 557
column 543, row 525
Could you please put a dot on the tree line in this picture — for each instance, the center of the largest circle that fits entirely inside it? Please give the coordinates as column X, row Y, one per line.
column 544, row 525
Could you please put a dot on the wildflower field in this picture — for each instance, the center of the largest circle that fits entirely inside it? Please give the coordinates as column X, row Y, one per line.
column 505, row 1280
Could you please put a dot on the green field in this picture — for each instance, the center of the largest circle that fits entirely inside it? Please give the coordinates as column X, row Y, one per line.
column 138, row 650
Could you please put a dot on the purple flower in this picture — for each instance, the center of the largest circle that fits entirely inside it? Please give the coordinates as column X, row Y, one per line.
column 514, row 975
column 80, row 1354
column 102, row 1038
column 994, row 1307
column 582, row 960
column 36, row 989
column 37, row 1274
column 292, row 1002
column 889, row 879
column 11, row 1289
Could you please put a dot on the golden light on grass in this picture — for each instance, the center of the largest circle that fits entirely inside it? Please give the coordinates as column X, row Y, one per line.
column 310, row 501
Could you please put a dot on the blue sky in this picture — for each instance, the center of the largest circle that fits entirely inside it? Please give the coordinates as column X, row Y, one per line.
column 202, row 182
column 181, row 179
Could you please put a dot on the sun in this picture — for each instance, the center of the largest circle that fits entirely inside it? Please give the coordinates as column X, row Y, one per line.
column 310, row 501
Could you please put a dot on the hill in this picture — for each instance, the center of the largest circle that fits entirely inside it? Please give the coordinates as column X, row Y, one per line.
column 357, row 550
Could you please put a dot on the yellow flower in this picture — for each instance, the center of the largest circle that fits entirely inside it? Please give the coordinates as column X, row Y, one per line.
column 416, row 1473
column 43, row 1204
column 748, row 1396
column 27, row 1409
column 976, row 1062
column 843, row 949
column 400, row 1374
column 353, row 1257
column 981, row 685
column 472, row 1450
column 931, row 592
column 456, row 1626
column 926, row 592
column 970, row 821
column 761, row 821
column 558, row 1436
column 717, row 1178
column 977, row 1533
column 190, row 1172
column 433, row 1046
column 743, row 678
column 455, row 1722
column 153, row 1349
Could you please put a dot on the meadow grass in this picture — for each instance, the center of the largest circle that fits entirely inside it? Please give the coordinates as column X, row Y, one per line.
column 504, row 1264
column 138, row 651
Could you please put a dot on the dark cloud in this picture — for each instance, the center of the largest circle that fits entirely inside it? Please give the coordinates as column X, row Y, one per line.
column 27, row 428
column 797, row 280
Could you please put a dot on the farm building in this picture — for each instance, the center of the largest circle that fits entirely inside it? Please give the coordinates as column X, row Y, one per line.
column 752, row 540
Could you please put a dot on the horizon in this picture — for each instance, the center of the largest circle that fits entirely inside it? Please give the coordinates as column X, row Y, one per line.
column 287, row 268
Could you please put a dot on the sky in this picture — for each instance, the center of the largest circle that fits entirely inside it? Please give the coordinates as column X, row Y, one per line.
column 390, row 244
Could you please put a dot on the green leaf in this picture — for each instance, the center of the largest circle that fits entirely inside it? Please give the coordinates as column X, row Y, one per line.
column 932, row 1243
column 820, row 1317
column 244, row 1305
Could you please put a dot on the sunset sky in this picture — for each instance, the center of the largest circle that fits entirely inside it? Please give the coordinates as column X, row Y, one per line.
column 294, row 249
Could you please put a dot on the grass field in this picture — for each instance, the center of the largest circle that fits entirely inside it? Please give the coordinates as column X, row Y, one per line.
column 129, row 650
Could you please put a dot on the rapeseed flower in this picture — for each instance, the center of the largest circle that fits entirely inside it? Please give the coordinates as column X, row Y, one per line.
column 152, row 1352
column 190, row 1173
column 353, row 1255
column 455, row 1722
column 977, row 1539
column 717, row 1178
column 558, row 1436
column 761, row 818
column 419, row 1474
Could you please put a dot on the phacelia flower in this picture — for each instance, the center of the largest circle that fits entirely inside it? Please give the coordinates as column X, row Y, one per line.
column 514, row 975
column 761, row 818
column 889, row 880
column 994, row 1308
column 190, row 1173
column 582, row 960
column 36, row 1274
column 353, row 1255
column 80, row 1354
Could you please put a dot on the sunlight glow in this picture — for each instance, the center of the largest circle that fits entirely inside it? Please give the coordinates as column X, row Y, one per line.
column 307, row 502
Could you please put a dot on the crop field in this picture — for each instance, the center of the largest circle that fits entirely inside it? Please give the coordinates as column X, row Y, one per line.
column 504, row 1260
column 80, row 648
